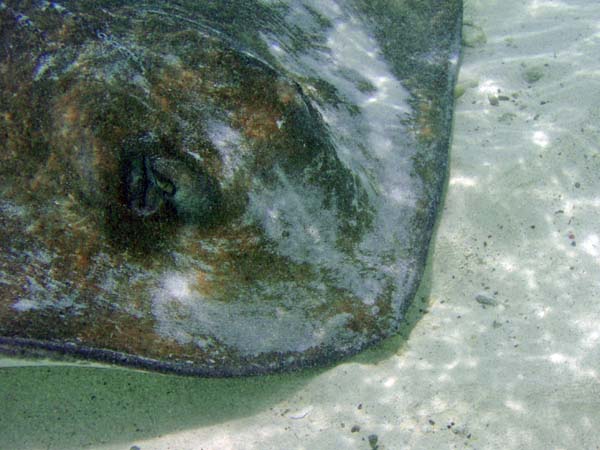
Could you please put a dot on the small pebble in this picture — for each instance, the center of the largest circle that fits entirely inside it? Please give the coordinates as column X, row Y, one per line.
column 373, row 440
column 486, row 300
column 533, row 74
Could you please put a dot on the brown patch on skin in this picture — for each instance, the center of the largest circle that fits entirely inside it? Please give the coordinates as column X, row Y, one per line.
column 427, row 122
column 174, row 85
column 164, row 103
column 286, row 92
column 124, row 333
column 259, row 114
column 258, row 121
column 74, row 245
column 362, row 321
column 230, row 273
column 204, row 285
column 259, row 118
column 70, row 116
column 424, row 125
column 361, row 316
column 83, row 259
column 88, row 245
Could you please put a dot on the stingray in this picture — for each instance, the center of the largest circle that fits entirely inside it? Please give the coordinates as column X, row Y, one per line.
column 218, row 188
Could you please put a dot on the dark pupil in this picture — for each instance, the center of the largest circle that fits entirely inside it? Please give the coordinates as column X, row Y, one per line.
column 148, row 191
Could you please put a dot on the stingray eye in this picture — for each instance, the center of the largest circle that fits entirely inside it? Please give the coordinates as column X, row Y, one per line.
column 187, row 189
column 145, row 192
column 161, row 184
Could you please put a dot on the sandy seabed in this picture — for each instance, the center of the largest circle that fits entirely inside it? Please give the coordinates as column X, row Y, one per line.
column 502, row 346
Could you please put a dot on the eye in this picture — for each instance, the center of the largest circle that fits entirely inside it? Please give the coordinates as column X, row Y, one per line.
column 145, row 191
column 188, row 189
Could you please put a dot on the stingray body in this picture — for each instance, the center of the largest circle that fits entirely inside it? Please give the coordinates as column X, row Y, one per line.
column 218, row 188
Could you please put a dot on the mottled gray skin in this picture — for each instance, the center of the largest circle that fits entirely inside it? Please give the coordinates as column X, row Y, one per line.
column 218, row 188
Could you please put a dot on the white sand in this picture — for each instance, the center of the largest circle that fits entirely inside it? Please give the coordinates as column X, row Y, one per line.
column 520, row 228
